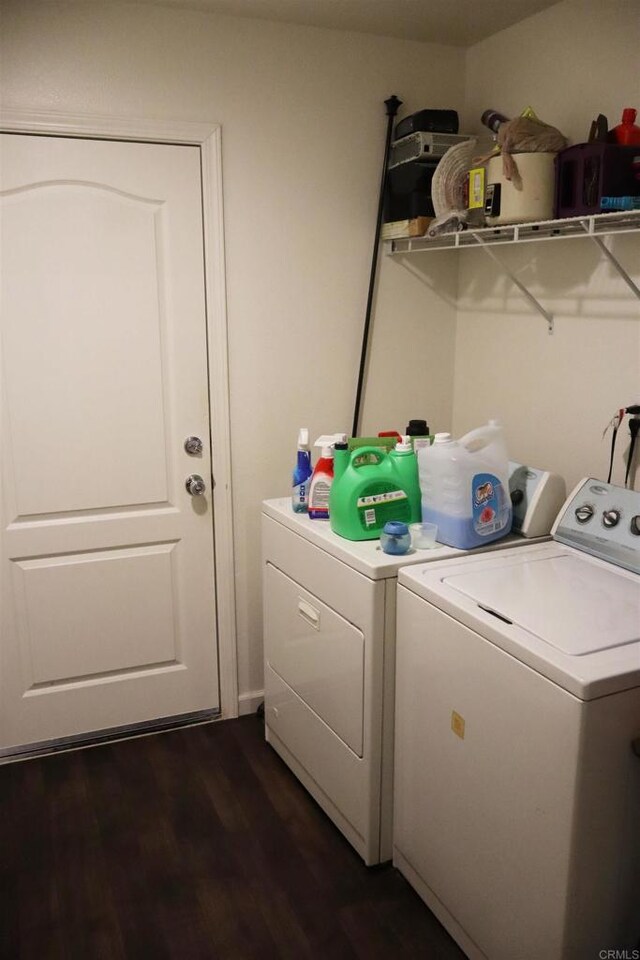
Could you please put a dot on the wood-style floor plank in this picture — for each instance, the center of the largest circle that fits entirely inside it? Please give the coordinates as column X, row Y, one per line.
column 194, row 844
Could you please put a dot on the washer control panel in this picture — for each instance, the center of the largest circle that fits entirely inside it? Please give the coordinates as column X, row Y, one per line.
column 603, row 520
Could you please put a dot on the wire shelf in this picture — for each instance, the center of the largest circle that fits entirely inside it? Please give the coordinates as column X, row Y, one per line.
column 599, row 224
column 595, row 227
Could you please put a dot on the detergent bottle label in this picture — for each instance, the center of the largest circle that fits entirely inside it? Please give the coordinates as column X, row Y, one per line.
column 488, row 504
column 379, row 505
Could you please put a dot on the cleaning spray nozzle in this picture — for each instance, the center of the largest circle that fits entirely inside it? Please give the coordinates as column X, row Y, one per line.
column 330, row 439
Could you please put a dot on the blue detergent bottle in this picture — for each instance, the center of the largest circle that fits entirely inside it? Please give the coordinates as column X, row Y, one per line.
column 302, row 474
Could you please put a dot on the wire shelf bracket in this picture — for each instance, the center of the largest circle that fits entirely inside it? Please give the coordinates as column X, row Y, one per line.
column 616, row 263
column 518, row 283
column 595, row 226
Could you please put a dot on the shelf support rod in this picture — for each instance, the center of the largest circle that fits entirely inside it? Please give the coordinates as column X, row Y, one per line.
column 518, row 283
column 623, row 273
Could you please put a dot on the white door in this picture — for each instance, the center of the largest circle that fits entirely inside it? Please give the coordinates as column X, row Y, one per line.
column 108, row 595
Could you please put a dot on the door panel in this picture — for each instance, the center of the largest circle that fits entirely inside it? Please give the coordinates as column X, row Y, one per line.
column 88, row 358
column 108, row 613
column 134, row 634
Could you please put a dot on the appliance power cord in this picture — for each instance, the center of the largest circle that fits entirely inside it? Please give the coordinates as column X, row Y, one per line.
column 634, row 426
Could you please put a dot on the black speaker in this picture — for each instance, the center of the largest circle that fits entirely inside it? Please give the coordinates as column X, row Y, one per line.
column 428, row 121
column 408, row 192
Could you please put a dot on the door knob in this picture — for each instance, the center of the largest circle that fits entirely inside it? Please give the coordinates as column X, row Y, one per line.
column 195, row 485
column 193, row 446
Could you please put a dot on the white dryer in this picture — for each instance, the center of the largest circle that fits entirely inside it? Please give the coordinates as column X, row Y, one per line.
column 517, row 761
column 329, row 665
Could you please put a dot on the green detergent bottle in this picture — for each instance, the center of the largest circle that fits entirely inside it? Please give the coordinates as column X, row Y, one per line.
column 371, row 487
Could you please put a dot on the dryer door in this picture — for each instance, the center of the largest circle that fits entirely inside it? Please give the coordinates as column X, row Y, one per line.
column 318, row 653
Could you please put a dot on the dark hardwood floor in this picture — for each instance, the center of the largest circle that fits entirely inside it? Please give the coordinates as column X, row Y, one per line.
column 195, row 843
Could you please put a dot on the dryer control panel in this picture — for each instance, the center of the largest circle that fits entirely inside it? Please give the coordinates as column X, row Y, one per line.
column 603, row 520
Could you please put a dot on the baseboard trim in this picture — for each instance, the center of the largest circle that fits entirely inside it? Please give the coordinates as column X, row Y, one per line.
column 249, row 702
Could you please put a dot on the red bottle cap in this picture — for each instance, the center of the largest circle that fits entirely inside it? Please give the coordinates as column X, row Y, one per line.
column 629, row 115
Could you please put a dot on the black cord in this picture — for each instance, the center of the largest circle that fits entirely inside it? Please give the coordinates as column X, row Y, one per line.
column 613, row 446
column 634, row 428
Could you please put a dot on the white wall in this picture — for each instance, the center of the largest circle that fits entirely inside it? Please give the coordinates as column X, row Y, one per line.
column 303, row 132
column 555, row 394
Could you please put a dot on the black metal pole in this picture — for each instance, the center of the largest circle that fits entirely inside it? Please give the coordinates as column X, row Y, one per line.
column 392, row 105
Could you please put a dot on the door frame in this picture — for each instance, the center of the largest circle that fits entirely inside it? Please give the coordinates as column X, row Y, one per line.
column 207, row 137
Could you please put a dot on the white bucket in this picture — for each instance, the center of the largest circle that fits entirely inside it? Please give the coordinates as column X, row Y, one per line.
column 528, row 198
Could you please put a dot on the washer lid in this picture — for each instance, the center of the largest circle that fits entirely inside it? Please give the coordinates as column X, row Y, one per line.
column 569, row 602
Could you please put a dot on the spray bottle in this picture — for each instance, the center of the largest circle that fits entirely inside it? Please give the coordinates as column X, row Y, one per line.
column 302, row 474
column 323, row 476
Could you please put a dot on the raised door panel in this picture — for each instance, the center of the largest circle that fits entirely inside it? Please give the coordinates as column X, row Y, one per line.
column 79, row 343
column 70, row 630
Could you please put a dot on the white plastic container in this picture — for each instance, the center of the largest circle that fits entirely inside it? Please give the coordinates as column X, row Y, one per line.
column 464, row 485
column 528, row 199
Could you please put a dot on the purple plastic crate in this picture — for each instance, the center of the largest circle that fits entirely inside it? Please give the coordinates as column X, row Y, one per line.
column 587, row 172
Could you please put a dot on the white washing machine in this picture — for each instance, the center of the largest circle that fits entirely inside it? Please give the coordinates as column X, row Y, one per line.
column 329, row 646
column 517, row 762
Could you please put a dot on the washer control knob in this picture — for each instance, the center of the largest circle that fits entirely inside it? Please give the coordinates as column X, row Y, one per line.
column 634, row 526
column 610, row 518
column 517, row 496
column 584, row 513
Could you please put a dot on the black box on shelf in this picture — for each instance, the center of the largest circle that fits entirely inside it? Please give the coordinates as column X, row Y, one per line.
column 587, row 172
column 408, row 192
column 428, row 121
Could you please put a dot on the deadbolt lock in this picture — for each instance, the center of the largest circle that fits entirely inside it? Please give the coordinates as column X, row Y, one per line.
column 193, row 446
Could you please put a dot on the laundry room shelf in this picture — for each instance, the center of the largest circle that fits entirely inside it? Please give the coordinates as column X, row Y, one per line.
column 594, row 227
column 600, row 224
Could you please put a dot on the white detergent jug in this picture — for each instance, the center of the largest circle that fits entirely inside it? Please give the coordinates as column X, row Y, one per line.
column 464, row 485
